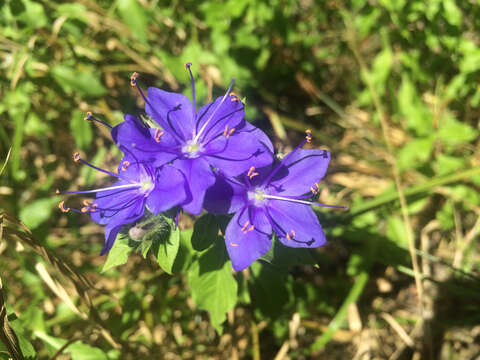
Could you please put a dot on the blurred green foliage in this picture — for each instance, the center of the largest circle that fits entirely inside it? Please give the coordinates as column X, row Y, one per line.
column 292, row 59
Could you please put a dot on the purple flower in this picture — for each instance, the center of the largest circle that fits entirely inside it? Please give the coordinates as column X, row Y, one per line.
column 124, row 202
column 216, row 136
column 271, row 200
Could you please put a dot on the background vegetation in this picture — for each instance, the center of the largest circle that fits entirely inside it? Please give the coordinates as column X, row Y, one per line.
column 390, row 87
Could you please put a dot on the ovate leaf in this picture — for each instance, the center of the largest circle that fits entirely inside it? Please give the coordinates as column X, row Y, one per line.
column 77, row 350
column 212, row 284
column 81, row 130
column 134, row 17
column 82, row 82
column 118, row 254
column 37, row 212
column 205, row 232
column 454, row 132
column 166, row 248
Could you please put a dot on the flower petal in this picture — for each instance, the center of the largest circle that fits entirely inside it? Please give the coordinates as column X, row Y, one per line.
column 137, row 141
column 244, row 247
column 199, row 177
column 217, row 115
column 243, row 149
column 115, row 203
column 172, row 111
column 170, row 190
column 302, row 170
column 225, row 196
column 129, row 215
column 299, row 221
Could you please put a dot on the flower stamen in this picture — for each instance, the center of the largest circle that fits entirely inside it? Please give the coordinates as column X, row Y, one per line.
column 246, row 229
column 125, row 165
column 234, row 245
column 290, row 235
column 251, row 173
column 76, row 157
column 133, row 79
column 187, row 67
column 309, row 135
column 234, row 97
column 314, row 189
column 134, row 83
column 62, row 207
column 202, row 129
column 88, row 206
column 158, row 135
column 90, row 117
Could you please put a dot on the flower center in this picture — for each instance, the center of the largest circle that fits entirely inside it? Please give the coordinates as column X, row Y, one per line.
column 192, row 149
column 257, row 196
column 146, row 185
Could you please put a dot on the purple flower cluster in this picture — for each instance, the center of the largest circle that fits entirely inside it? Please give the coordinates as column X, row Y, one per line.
column 209, row 159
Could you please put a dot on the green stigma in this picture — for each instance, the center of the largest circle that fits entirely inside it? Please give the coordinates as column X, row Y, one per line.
column 146, row 185
column 193, row 148
column 259, row 195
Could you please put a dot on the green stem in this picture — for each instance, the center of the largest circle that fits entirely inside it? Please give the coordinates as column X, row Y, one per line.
column 337, row 321
column 425, row 187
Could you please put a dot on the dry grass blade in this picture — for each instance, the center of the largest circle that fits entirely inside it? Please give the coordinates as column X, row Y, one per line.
column 10, row 227
column 6, row 162
column 352, row 42
column 7, row 335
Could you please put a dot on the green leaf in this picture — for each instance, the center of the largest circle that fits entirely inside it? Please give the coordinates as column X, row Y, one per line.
column 205, row 232
column 213, row 285
column 285, row 257
column 118, row 254
column 417, row 116
column 453, row 132
column 82, row 82
column 34, row 15
column 134, row 17
column 73, row 11
column 382, row 66
column 396, row 231
column 452, row 13
column 38, row 211
column 78, row 350
column 415, row 153
column 269, row 293
column 445, row 164
column 166, row 248
column 25, row 345
column 81, row 130
column 185, row 252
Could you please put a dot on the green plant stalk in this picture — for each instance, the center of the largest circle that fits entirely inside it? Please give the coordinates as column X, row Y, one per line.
column 413, row 190
column 337, row 321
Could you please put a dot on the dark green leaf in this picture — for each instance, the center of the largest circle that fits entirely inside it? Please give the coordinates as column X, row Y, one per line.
column 38, row 211
column 118, row 254
column 205, row 232
column 212, row 284
column 134, row 17
column 82, row 82
column 166, row 248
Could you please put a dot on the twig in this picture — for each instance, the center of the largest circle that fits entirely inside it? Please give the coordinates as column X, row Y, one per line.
column 466, row 243
column 396, row 174
column 62, row 349
column 255, row 341
column 6, row 162
column 398, row 329
column 7, row 335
